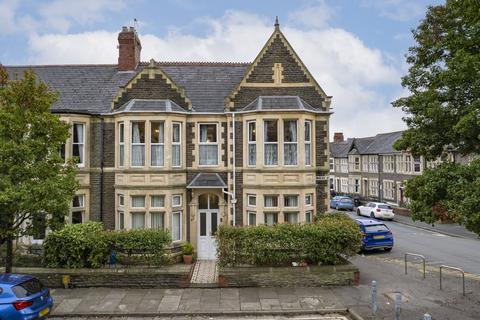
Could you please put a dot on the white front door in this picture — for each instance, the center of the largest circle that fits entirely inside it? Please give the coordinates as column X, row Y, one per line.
column 207, row 228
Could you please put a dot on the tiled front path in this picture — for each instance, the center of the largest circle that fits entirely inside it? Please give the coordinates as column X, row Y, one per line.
column 205, row 272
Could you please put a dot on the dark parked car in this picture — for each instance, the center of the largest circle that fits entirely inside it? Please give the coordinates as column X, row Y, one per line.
column 376, row 235
column 23, row 297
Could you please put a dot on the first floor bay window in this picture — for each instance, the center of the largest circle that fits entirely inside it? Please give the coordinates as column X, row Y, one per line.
column 290, row 142
column 208, row 145
column 138, row 144
column 78, row 143
column 270, row 136
column 177, row 226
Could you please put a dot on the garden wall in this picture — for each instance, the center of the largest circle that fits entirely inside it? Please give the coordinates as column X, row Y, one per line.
column 311, row 276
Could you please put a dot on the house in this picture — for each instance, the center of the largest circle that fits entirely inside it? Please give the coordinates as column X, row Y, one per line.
column 370, row 169
column 189, row 146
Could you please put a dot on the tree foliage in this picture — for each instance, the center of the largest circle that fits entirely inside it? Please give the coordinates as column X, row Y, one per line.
column 36, row 185
column 444, row 106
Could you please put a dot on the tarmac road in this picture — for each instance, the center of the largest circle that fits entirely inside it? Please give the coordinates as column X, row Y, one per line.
column 437, row 248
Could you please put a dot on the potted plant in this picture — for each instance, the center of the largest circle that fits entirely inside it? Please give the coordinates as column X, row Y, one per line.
column 187, row 250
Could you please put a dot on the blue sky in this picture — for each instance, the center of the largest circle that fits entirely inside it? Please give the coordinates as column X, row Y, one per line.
column 355, row 49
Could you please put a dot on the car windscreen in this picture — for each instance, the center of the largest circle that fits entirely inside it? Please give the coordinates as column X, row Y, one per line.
column 376, row 228
column 27, row 288
column 384, row 206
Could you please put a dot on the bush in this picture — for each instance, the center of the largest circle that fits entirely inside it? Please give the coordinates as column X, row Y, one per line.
column 328, row 241
column 88, row 245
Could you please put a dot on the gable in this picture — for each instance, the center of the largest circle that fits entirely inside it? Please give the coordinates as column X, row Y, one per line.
column 277, row 70
column 151, row 83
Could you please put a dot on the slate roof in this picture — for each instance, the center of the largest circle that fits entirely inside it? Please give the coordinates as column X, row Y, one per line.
column 150, row 105
column 207, row 180
column 382, row 143
column 278, row 103
column 91, row 88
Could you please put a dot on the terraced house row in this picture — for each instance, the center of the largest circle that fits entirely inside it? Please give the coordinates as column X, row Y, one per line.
column 189, row 146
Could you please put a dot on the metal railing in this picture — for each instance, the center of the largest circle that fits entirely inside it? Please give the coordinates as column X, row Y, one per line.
column 418, row 256
column 454, row 269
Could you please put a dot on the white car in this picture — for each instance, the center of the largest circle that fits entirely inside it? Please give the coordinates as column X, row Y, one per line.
column 376, row 210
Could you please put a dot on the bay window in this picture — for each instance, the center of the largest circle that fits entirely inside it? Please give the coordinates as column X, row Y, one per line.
column 138, row 144
column 252, row 143
column 308, row 143
column 157, row 144
column 270, row 137
column 78, row 143
column 208, row 145
column 290, row 142
column 176, row 144
column 121, row 144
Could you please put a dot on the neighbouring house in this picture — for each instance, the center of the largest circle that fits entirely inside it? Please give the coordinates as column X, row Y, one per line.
column 189, row 146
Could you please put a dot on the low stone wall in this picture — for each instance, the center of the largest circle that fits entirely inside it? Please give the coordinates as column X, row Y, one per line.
column 311, row 276
column 175, row 276
column 402, row 211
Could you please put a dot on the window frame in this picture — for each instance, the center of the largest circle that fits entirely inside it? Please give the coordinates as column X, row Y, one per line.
column 132, row 144
column 270, row 195
column 180, row 196
column 155, row 144
column 157, row 195
column 250, row 196
column 121, row 144
column 216, row 143
column 309, row 213
column 275, row 215
column 179, row 212
column 80, row 208
column 309, row 196
column 82, row 144
column 276, row 143
column 308, row 142
column 251, row 143
column 287, row 143
column 144, row 202
column 144, row 213
column 251, row 213
column 287, row 196
column 177, row 144
column 121, row 196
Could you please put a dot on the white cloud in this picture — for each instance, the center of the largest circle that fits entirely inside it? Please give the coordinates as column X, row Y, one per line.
column 315, row 15
column 342, row 64
column 7, row 15
column 399, row 10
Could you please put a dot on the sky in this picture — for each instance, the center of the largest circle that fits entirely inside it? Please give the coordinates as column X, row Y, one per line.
column 355, row 49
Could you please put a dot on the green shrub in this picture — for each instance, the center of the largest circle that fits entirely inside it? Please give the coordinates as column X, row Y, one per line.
column 187, row 249
column 88, row 245
column 329, row 241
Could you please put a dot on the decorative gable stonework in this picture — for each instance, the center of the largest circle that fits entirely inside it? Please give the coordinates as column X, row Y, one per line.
column 151, row 83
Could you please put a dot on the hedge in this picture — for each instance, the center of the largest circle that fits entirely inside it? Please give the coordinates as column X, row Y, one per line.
column 330, row 240
column 88, row 245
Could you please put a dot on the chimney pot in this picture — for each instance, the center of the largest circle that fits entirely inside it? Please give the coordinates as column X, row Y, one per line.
column 338, row 137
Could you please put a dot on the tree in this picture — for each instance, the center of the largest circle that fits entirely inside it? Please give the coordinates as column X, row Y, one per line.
column 36, row 184
column 443, row 111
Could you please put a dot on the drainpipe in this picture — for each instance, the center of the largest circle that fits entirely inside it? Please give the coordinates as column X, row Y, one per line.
column 102, row 128
column 234, row 199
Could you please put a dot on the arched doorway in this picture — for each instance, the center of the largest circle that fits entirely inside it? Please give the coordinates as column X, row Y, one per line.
column 208, row 221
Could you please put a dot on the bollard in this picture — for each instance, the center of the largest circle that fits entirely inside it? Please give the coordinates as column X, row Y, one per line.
column 374, row 297
column 398, row 302
column 426, row 316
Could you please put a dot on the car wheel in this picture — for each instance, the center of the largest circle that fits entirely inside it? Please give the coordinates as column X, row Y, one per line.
column 388, row 249
column 372, row 215
column 358, row 212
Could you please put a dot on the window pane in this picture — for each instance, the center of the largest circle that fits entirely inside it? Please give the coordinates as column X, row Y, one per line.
column 78, row 201
column 214, row 221
column 271, row 154
column 252, row 200
column 290, row 131
column 138, row 201
column 290, row 154
column 176, row 226
column 157, row 201
column 291, row 201
column 252, row 154
column 77, row 217
column 213, row 202
column 308, row 216
column 138, row 132
column 308, row 130
column 271, row 201
column 157, row 220
column 121, row 156
column 203, row 224
column 270, row 131
column 252, row 219
column 176, row 132
column 176, row 156
column 157, row 155
column 121, row 133
column 121, row 218
column 157, row 132
column 208, row 155
column 308, row 154
column 291, row 217
column 176, row 200
column 138, row 220
column 78, row 129
column 271, row 218
column 138, row 155
column 208, row 133
column 62, row 151
column 252, row 132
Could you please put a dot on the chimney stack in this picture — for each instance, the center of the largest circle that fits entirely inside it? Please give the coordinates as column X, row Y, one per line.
column 129, row 48
column 338, row 137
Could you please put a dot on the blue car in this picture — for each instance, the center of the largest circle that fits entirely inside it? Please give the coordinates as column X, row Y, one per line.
column 342, row 202
column 23, row 297
column 376, row 235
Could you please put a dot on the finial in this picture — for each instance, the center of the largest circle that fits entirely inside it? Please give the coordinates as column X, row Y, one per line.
column 277, row 25
column 151, row 64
